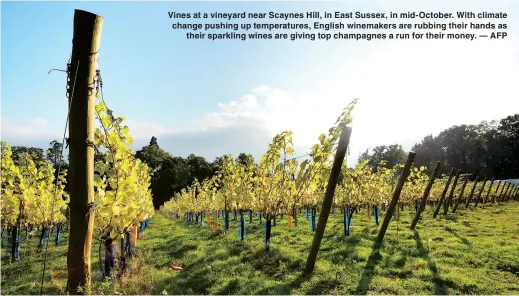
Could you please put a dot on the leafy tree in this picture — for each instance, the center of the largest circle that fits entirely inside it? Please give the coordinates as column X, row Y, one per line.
column 487, row 148
column 36, row 154
column 198, row 168
column 245, row 159
column 172, row 174
column 169, row 179
column 152, row 155
column 54, row 154
column 507, row 157
column 392, row 155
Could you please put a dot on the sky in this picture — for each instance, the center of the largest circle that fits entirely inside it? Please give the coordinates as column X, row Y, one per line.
column 212, row 98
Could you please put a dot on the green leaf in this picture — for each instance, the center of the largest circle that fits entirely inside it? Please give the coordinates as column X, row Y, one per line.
column 98, row 181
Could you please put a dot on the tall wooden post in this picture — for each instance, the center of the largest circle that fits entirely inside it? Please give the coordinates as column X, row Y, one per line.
column 488, row 191
column 459, row 199
column 498, row 194
column 448, row 201
column 509, row 193
column 503, row 194
column 481, row 192
column 512, row 195
column 499, row 183
column 85, row 55
column 425, row 195
column 444, row 192
column 342, row 147
column 394, row 201
column 472, row 192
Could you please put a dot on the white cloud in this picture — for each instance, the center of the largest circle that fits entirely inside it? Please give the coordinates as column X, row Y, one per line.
column 247, row 103
column 145, row 130
column 261, row 89
column 26, row 129
column 272, row 109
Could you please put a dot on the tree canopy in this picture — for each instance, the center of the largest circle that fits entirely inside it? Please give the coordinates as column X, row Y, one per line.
column 488, row 148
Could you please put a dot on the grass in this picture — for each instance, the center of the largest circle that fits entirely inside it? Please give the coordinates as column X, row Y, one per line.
column 474, row 251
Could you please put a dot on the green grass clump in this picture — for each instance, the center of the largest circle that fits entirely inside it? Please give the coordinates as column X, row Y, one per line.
column 474, row 251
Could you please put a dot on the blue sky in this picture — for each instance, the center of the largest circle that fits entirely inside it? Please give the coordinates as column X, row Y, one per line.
column 182, row 91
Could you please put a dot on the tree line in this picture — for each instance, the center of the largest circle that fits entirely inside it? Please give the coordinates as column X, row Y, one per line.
column 489, row 149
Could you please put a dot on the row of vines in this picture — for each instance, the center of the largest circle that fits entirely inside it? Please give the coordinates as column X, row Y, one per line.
column 33, row 198
column 280, row 185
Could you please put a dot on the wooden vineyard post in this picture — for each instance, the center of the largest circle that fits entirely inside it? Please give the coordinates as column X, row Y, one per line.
column 488, row 191
column 498, row 196
column 503, row 194
column 394, row 201
column 500, row 193
column 481, row 192
column 342, row 147
column 85, row 55
column 426, row 192
column 513, row 194
column 472, row 192
column 510, row 193
column 444, row 192
column 513, row 189
column 497, row 191
column 451, row 194
column 458, row 200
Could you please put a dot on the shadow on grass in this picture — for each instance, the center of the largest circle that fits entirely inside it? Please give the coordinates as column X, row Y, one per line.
column 287, row 288
column 192, row 280
column 369, row 270
column 439, row 284
column 451, row 217
column 462, row 239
